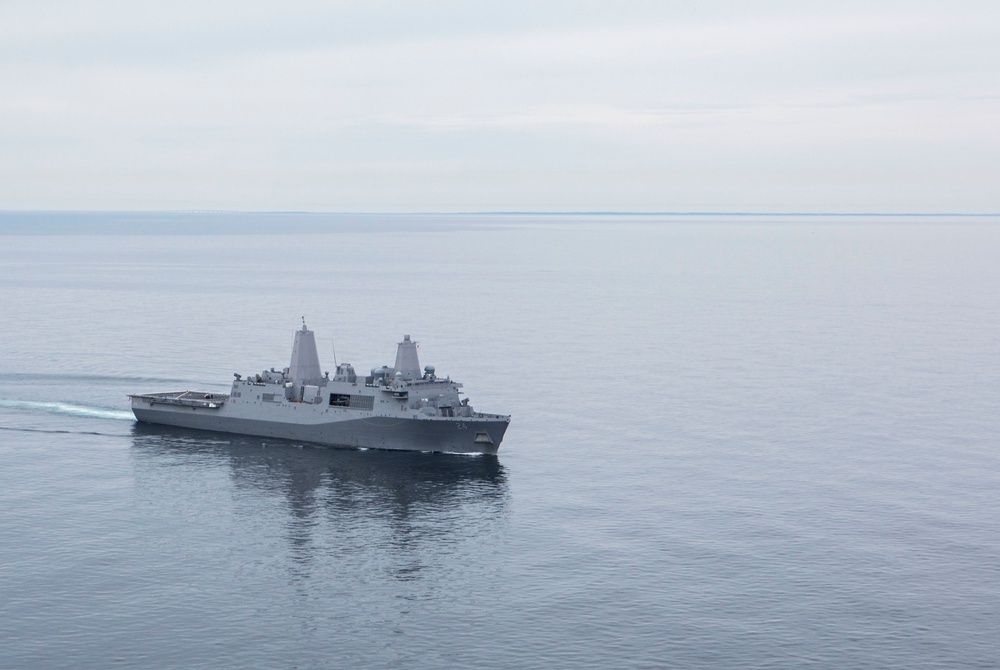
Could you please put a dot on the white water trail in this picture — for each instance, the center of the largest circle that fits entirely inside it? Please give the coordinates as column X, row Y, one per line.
column 70, row 409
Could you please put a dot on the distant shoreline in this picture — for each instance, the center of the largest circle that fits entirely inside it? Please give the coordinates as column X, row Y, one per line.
column 218, row 222
column 228, row 212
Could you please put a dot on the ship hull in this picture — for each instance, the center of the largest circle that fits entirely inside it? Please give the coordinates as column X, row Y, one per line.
column 397, row 408
column 455, row 435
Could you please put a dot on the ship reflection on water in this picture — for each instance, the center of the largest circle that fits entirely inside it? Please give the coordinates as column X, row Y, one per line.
column 328, row 504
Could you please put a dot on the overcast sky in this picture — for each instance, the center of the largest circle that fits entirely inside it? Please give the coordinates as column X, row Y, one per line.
column 473, row 106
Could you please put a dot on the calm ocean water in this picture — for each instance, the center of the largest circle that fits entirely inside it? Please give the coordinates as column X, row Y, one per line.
column 736, row 442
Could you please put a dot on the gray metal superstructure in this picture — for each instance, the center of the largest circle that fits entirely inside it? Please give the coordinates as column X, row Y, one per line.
column 398, row 407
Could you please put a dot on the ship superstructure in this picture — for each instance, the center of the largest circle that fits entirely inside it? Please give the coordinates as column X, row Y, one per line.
column 398, row 407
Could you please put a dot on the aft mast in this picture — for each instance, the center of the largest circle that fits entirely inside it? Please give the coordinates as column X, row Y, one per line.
column 407, row 363
column 304, row 367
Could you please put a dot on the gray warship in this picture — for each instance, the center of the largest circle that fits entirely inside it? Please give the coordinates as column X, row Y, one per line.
column 398, row 407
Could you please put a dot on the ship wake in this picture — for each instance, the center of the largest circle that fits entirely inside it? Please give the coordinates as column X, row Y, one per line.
column 69, row 409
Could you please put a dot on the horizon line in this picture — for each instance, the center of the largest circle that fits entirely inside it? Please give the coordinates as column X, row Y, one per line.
column 637, row 213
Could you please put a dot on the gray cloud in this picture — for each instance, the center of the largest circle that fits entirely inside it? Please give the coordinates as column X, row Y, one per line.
column 458, row 106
